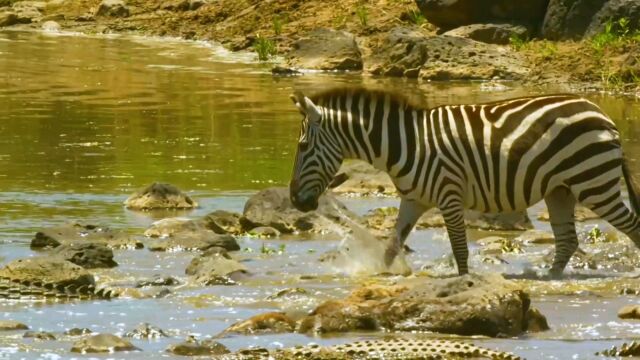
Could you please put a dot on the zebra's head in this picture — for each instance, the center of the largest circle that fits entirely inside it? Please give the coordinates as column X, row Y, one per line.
column 318, row 156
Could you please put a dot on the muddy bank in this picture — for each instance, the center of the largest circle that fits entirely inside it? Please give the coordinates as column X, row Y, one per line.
column 429, row 40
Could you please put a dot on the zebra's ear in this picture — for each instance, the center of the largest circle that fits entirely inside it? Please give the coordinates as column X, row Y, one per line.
column 298, row 101
column 312, row 111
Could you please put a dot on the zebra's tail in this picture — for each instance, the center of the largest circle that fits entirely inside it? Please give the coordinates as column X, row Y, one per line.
column 633, row 187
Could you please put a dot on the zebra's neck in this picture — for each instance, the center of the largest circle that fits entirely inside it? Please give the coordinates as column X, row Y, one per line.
column 378, row 129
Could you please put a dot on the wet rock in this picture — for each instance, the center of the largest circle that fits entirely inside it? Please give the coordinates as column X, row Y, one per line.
column 160, row 196
column 284, row 71
column 360, row 178
column 10, row 325
column 158, row 281
column 536, row 322
column 490, row 33
column 216, row 269
column 609, row 257
column 72, row 234
column 28, row 11
column 112, row 8
column 411, row 52
column 195, row 240
column 196, row 4
column 385, row 219
column 193, row 347
column 269, row 323
column 8, row 18
column 326, row 49
column 51, row 26
column 169, row 226
column 78, row 332
column 272, row 207
column 47, row 270
column 448, row 14
column 629, row 312
column 146, row 331
column 39, row 335
column 534, row 236
column 102, row 343
column 494, row 245
column 175, row 5
column 581, row 214
column 466, row 305
column 285, row 293
column 264, row 232
column 89, row 256
column 575, row 19
column 222, row 222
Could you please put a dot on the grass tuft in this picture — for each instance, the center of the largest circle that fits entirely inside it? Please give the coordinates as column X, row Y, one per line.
column 265, row 48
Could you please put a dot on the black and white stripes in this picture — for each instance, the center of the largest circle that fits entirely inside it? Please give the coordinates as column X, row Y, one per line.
column 493, row 157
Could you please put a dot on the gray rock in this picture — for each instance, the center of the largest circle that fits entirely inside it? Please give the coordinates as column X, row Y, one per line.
column 272, row 207
column 268, row 323
column 146, row 331
column 112, row 8
column 88, row 255
column 410, row 52
column 102, row 343
column 158, row 281
column 448, row 14
column 47, row 270
column 215, row 269
column 71, row 234
column 222, row 222
column 39, row 335
column 490, row 33
column 175, row 5
column 193, row 347
column 326, row 49
column 9, row 325
column 195, row 240
column 615, row 10
column 264, row 232
column 28, row 11
column 8, row 18
column 629, row 312
column 160, row 196
column 78, row 331
column 169, row 226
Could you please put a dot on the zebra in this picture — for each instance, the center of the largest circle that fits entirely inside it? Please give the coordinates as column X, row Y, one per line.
column 493, row 157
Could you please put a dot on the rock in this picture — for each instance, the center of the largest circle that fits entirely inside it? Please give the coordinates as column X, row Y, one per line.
column 195, row 240
column 581, row 214
column 160, row 196
column 465, row 305
column 193, row 347
column 326, row 49
column 222, row 222
column 169, row 226
column 629, row 312
column 608, row 257
column 9, row 325
column 175, row 5
column 112, row 8
column 536, row 322
column 269, row 323
column 264, row 232
column 39, row 335
column 196, row 4
column 146, row 331
column 102, row 343
column 530, row 237
column 72, row 234
column 280, row 70
column 78, row 331
column 216, row 269
column 158, row 281
column 411, row 52
column 28, row 11
column 575, row 19
column 8, row 18
column 51, row 26
column 490, row 33
column 47, row 270
column 89, row 255
column 272, row 207
column 448, row 14
column 360, row 178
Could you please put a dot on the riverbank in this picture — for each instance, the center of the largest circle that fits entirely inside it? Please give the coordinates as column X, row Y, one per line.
column 382, row 37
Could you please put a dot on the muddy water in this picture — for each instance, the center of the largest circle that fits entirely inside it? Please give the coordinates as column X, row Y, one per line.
column 85, row 121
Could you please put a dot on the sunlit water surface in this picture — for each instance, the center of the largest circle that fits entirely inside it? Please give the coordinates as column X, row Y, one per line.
column 84, row 121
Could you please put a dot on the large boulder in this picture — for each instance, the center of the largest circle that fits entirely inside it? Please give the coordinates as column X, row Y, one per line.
column 75, row 233
column 490, row 33
column 448, row 14
column 8, row 18
column 326, row 49
column 575, row 19
column 160, row 196
column 88, row 255
column 269, row 323
column 47, row 270
column 102, row 343
column 222, row 222
column 272, row 207
column 10, row 325
column 410, row 52
column 195, row 241
column 216, row 268
column 112, row 8
column 193, row 347
column 466, row 305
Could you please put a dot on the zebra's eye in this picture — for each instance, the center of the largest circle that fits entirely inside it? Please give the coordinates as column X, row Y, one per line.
column 303, row 145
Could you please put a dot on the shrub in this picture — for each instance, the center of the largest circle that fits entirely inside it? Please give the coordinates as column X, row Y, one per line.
column 265, row 48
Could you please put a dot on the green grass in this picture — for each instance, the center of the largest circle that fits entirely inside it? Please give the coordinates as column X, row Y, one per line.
column 518, row 42
column 265, row 48
column 278, row 23
column 267, row 250
column 339, row 21
column 615, row 34
column 363, row 15
column 416, row 17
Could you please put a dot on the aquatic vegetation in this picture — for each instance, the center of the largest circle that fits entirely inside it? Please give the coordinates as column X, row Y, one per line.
column 266, row 249
column 265, row 48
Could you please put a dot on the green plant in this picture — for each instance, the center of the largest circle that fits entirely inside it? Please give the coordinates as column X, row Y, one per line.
column 416, row 17
column 269, row 250
column 548, row 49
column 363, row 14
column 265, row 48
column 278, row 22
column 518, row 42
column 339, row 21
column 615, row 33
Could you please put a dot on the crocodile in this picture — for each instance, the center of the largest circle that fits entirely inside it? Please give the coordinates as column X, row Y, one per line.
column 13, row 289
column 625, row 350
column 391, row 349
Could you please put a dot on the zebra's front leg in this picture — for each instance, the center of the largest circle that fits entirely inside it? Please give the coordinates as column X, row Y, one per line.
column 453, row 215
column 409, row 213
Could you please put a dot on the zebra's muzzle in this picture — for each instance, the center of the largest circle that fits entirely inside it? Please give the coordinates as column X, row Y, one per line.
column 304, row 202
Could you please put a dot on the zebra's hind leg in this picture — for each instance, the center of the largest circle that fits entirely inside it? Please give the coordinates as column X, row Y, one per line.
column 561, row 205
column 453, row 215
column 409, row 213
column 615, row 212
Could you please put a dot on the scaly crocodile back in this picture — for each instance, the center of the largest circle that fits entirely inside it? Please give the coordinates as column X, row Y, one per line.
column 25, row 290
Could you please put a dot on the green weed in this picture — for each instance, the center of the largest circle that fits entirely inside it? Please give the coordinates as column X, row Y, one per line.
column 265, row 48
column 614, row 34
column 339, row 21
column 518, row 42
column 278, row 23
column 264, row 249
column 363, row 15
column 416, row 17
column 548, row 49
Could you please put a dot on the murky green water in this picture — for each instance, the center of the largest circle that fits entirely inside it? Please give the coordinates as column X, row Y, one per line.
column 85, row 121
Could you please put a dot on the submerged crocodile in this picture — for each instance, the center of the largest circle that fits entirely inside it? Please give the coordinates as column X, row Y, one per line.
column 13, row 289
column 625, row 350
column 395, row 349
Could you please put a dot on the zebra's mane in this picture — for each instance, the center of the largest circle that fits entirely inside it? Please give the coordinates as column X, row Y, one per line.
column 343, row 91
